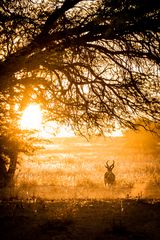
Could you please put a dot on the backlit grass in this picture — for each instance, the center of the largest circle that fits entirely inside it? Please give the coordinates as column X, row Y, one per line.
column 74, row 168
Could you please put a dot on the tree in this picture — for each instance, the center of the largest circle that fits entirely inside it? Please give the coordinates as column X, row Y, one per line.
column 97, row 60
column 92, row 64
column 13, row 140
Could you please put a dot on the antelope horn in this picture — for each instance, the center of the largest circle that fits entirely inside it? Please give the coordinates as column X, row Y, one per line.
column 112, row 165
column 106, row 164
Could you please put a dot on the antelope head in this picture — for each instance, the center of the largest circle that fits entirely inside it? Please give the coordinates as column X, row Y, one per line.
column 109, row 167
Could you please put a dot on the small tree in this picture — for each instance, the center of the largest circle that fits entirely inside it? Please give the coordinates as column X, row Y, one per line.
column 13, row 139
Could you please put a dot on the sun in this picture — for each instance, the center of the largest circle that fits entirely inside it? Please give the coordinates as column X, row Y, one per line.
column 31, row 118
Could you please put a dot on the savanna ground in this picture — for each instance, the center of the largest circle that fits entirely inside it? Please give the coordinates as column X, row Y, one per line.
column 59, row 193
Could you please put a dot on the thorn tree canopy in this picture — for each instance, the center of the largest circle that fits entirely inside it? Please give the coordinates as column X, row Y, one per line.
column 90, row 63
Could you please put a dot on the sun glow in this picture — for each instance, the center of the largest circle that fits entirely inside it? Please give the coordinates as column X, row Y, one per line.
column 117, row 133
column 65, row 132
column 32, row 118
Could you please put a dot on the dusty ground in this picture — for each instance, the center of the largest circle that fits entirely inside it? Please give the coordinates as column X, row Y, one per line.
column 80, row 220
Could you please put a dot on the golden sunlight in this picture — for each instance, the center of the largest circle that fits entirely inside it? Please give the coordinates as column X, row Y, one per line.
column 53, row 129
column 65, row 132
column 117, row 133
column 31, row 118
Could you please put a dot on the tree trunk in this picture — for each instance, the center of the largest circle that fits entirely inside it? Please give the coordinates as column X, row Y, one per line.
column 3, row 172
column 7, row 173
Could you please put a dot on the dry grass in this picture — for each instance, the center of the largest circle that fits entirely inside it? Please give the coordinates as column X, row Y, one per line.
column 74, row 168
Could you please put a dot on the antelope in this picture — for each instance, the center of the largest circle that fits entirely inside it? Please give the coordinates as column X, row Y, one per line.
column 109, row 177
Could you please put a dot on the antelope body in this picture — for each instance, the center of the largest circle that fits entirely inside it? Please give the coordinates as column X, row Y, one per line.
column 109, row 177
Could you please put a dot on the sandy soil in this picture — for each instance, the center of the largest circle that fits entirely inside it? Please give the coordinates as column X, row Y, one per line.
column 120, row 219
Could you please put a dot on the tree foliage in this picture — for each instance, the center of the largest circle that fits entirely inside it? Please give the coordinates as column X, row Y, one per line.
column 91, row 63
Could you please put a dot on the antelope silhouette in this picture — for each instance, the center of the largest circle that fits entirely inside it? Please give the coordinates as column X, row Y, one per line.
column 109, row 177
